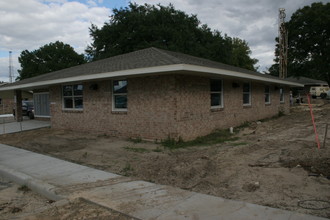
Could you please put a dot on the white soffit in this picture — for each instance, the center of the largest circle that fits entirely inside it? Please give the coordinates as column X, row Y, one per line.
column 150, row 71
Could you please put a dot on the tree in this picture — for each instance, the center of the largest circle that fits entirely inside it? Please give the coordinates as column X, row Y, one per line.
column 240, row 54
column 48, row 58
column 141, row 26
column 309, row 43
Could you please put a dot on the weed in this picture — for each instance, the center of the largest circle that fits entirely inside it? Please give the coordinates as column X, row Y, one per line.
column 158, row 149
column 136, row 140
column 280, row 113
column 15, row 209
column 84, row 155
column 216, row 137
column 243, row 125
column 137, row 149
column 127, row 170
column 103, row 135
column 239, row 143
column 171, row 143
column 24, row 188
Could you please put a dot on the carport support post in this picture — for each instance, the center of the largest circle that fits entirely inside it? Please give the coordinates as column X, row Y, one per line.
column 18, row 109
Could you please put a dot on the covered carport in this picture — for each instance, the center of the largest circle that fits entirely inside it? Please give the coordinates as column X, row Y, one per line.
column 40, row 100
column 9, row 125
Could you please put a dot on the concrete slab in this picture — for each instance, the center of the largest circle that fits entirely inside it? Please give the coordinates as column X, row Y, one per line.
column 41, row 187
column 200, row 206
column 56, row 171
column 13, row 127
column 56, row 179
column 141, row 199
column 8, row 152
column 6, row 115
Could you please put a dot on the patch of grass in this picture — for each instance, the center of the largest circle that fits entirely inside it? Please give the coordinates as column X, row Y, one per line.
column 103, row 135
column 239, row 143
column 127, row 170
column 171, row 143
column 24, row 188
column 280, row 114
column 216, row 137
column 136, row 140
column 243, row 125
column 158, row 149
column 137, row 149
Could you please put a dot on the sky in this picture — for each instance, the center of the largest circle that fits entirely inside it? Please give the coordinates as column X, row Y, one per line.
column 30, row 24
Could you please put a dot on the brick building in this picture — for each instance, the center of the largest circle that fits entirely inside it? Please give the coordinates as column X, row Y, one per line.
column 7, row 100
column 155, row 94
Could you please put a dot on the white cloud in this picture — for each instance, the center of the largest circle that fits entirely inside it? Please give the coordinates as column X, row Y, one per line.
column 29, row 24
column 254, row 21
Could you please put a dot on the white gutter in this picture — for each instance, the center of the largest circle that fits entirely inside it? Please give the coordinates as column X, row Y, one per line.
column 151, row 70
column 231, row 73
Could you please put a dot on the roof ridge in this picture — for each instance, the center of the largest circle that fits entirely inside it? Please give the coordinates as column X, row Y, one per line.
column 165, row 52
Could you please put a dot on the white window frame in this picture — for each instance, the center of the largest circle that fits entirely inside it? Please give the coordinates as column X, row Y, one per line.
column 113, row 96
column 267, row 94
column 249, row 92
column 217, row 92
column 72, row 96
column 281, row 95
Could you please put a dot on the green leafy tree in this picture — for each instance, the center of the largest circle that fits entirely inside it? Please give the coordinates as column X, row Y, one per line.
column 240, row 47
column 308, row 43
column 48, row 58
column 141, row 26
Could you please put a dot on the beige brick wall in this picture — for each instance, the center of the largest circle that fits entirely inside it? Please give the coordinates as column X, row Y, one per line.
column 196, row 118
column 162, row 106
column 150, row 114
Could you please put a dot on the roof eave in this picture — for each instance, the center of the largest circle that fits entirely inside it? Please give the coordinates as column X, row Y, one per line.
column 152, row 70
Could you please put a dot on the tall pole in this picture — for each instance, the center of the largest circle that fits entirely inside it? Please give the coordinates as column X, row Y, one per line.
column 283, row 45
column 10, row 67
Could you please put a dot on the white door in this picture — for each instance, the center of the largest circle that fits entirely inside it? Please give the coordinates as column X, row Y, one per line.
column 41, row 104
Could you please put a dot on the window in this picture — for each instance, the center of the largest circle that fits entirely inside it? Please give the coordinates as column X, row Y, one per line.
column 119, row 98
column 73, row 97
column 281, row 95
column 246, row 94
column 216, row 93
column 267, row 95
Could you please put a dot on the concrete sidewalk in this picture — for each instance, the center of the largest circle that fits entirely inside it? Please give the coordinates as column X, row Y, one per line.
column 57, row 179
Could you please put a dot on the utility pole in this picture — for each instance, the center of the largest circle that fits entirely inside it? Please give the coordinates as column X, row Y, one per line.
column 283, row 45
column 10, row 67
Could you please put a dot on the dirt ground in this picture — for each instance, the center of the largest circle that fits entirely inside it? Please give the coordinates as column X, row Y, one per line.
column 18, row 202
column 274, row 162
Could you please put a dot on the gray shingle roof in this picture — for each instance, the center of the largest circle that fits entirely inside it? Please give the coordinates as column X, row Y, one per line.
column 306, row 81
column 150, row 57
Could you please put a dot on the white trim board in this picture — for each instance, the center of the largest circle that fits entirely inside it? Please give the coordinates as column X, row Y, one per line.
column 166, row 69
